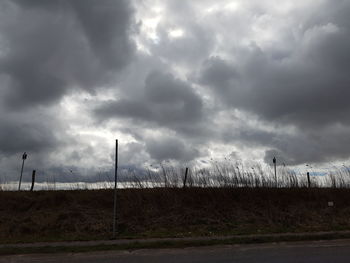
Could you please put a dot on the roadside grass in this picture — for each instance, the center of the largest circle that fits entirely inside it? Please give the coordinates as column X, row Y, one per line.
column 170, row 212
column 168, row 244
column 224, row 199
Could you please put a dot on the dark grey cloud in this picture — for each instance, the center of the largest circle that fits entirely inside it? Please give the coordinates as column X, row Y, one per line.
column 317, row 147
column 222, row 78
column 171, row 148
column 166, row 102
column 54, row 46
column 49, row 50
column 292, row 147
column 26, row 135
column 107, row 26
column 133, row 153
column 34, row 132
column 247, row 77
column 305, row 89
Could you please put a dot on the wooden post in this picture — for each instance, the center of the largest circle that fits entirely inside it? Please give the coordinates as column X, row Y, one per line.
column 274, row 164
column 186, row 172
column 115, row 191
column 33, row 180
column 24, row 157
column 308, row 180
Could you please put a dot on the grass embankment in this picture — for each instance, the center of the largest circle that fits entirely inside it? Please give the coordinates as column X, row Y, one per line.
column 169, row 212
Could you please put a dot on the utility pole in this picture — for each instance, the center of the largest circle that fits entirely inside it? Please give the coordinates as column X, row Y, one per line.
column 274, row 164
column 115, row 191
column 24, row 157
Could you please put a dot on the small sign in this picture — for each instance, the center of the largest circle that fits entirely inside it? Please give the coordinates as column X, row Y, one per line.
column 330, row 203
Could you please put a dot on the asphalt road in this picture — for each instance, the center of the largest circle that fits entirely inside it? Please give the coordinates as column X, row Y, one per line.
column 308, row 252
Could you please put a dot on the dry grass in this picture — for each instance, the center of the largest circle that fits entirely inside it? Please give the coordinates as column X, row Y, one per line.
column 229, row 175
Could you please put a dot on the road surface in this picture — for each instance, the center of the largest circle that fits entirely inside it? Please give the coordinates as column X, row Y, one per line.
column 298, row 252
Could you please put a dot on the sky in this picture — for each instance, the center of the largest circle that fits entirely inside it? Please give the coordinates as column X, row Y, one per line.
column 183, row 82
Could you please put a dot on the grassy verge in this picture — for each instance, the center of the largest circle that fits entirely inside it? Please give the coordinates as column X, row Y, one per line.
column 134, row 245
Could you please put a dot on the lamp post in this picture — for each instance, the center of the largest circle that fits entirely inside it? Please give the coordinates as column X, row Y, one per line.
column 24, row 157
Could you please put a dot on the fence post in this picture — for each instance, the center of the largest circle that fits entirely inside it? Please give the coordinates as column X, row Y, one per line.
column 33, row 180
column 185, row 180
column 308, row 180
column 274, row 164
column 24, row 157
column 115, row 191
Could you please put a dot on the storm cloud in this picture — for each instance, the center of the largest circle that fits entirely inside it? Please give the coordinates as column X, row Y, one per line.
column 50, row 48
column 181, row 81
column 20, row 135
column 166, row 101
column 305, row 87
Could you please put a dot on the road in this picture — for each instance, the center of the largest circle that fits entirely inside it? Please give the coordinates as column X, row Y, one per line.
column 298, row 252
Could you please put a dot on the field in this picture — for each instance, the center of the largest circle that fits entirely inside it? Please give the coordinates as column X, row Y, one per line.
column 170, row 212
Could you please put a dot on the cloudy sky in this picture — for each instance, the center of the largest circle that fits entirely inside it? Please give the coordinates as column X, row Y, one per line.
column 185, row 81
